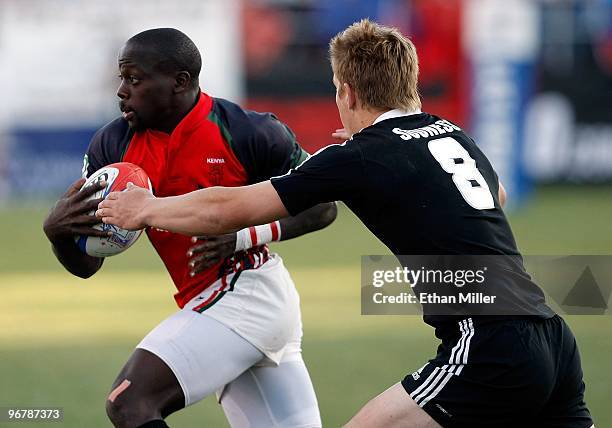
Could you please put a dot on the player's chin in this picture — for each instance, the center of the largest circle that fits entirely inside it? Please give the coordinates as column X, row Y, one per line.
column 136, row 124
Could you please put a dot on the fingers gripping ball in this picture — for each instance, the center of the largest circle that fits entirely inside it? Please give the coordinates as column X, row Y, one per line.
column 116, row 176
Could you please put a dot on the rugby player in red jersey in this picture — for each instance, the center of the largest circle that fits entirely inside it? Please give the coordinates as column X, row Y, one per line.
column 238, row 332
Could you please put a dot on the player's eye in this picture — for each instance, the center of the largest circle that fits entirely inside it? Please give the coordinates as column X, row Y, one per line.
column 133, row 80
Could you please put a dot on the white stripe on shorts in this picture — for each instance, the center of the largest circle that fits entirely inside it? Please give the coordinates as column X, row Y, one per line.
column 437, row 390
column 425, row 384
column 469, row 325
column 440, row 376
column 459, row 343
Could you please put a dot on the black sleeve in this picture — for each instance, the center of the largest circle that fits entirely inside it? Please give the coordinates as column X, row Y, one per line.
column 334, row 173
column 275, row 149
column 108, row 145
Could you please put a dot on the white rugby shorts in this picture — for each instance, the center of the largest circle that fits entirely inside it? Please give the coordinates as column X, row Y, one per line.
column 253, row 320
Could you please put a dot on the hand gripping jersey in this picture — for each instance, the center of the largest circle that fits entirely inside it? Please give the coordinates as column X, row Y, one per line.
column 216, row 144
column 423, row 187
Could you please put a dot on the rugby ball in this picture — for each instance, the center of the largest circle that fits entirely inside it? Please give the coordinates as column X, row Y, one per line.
column 117, row 176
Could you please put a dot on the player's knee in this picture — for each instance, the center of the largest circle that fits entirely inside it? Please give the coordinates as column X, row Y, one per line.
column 129, row 413
column 119, row 413
column 115, row 413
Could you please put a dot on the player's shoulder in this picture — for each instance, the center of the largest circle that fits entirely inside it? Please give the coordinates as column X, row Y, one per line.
column 264, row 145
column 113, row 132
column 108, row 144
column 228, row 112
column 238, row 118
column 340, row 153
column 253, row 131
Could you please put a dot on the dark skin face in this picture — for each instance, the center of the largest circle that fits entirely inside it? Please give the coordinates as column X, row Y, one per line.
column 149, row 98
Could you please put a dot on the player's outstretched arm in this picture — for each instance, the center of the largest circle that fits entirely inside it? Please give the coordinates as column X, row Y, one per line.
column 209, row 250
column 69, row 217
column 211, row 211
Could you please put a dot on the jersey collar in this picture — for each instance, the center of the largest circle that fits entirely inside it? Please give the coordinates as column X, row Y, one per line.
column 391, row 114
column 196, row 116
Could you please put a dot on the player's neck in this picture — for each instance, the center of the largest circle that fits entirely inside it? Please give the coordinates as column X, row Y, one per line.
column 183, row 106
column 366, row 117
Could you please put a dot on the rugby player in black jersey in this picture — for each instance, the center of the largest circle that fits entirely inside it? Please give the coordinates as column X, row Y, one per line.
column 423, row 187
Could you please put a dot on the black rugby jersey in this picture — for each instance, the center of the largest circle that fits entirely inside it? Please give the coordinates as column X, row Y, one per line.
column 423, row 187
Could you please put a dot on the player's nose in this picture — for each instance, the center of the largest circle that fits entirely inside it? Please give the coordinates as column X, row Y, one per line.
column 122, row 91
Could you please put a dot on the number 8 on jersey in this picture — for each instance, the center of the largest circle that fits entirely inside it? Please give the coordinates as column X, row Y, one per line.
column 455, row 160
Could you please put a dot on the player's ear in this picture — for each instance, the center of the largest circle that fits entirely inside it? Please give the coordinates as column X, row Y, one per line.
column 182, row 81
column 351, row 96
column 503, row 196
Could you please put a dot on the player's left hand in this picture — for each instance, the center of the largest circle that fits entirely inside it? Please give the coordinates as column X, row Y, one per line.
column 125, row 209
column 210, row 250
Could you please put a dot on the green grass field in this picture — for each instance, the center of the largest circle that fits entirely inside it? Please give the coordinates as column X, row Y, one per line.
column 63, row 340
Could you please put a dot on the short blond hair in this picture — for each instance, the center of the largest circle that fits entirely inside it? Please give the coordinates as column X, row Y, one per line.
column 379, row 63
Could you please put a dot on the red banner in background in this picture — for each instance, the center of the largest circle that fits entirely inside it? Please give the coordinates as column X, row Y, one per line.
column 293, row 78
column 312, row 119
column 435, row 28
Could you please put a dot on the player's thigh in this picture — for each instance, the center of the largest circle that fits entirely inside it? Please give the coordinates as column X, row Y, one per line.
column 202, row 353
column 393, row 408
column 272, row 396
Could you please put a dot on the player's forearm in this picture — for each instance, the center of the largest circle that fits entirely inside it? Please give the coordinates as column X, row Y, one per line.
column 211, row 211
column 190, row 214
column 311, row 220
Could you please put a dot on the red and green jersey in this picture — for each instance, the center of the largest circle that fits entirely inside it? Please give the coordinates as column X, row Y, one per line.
column 217, row 144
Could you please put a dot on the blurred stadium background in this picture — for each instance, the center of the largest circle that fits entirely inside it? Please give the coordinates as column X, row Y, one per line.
column 532, row 81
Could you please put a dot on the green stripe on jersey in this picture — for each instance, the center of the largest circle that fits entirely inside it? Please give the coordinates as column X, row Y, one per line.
column 212, row 116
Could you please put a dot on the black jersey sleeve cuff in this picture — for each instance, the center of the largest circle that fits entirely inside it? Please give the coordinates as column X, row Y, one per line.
column 288, row 196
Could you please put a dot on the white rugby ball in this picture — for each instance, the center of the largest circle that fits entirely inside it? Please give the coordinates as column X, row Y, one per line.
column 117, row 176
